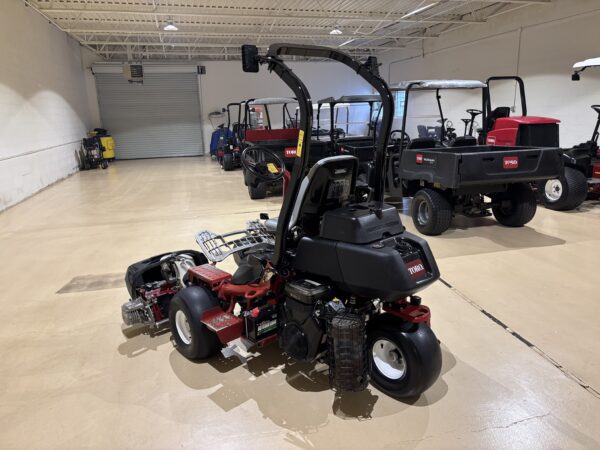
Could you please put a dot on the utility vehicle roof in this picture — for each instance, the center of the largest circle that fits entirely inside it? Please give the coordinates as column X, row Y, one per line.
column 592, row 62
column 273, row 101
column 428, row 85
column 351, row 99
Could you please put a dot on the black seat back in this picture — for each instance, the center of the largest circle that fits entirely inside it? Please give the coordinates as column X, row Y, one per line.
column 422, row 142
column 328, row 185
column 422, row 130
column 498, row 113
column 464, row 141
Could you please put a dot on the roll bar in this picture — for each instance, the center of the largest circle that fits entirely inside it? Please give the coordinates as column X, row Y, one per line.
column 519, row 81
column 368, row 71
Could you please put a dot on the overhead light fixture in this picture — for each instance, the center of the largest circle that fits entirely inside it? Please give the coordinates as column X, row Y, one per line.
column 336, row 31
column 170, row 27
column 346, row 43
column 419, row 10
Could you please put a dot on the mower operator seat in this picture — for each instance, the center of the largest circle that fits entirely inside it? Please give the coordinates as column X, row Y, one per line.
column 327, row 186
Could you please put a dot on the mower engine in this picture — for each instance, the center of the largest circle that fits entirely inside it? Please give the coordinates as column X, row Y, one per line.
column 310, row 316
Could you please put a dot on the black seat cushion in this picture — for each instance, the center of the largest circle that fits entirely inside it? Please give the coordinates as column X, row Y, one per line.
column 422, row 142
column 464, row 141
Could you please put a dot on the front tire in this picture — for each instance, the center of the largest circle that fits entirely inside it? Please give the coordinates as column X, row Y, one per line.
column 405, row 359
column 564, row 193
column 516, row 206
column 257, row 192
column 431, row 212
column 227, row 162
column 193, row 339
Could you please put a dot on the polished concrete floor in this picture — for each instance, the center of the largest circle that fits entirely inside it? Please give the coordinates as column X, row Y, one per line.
column 518, row 318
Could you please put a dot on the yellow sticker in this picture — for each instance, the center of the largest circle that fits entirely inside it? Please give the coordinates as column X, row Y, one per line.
column 299, row 146
column 272, row 168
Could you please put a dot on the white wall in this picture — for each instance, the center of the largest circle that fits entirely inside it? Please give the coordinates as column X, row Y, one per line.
column 225, row 82
column 44, row 110
column 552, row 37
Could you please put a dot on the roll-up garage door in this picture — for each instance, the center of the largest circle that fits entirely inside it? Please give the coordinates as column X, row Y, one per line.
column 155, row 119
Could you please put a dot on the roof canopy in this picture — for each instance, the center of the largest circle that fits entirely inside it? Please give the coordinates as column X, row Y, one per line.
column 351, row 99
column 428, row 85
column 592, row 62
column 272, row 101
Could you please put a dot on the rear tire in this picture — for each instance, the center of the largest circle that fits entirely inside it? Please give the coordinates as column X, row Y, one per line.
column 405, row 359
column 431, row 212
column 516, row 207
column 227, row 162
column 564, row 193
column 193, row 339
column 257, row 192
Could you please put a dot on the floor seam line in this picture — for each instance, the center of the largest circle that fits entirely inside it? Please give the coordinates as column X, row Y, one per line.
column 521, row 338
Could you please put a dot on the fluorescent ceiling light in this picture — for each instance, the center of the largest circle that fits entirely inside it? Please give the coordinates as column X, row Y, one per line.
column 346, row 43
column 335, row 31
column 418, row 10
column 170, row 27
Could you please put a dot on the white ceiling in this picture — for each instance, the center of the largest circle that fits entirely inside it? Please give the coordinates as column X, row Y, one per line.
column 215, row 29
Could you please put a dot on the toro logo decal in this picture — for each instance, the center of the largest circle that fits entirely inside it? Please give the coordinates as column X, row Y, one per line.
column 510, row 162
column 491, row 140
column 289, row 152
column 419, row 158
column 416, row 269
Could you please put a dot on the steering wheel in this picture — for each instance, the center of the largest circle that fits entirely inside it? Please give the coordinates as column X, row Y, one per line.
column 403, row 140
column 474, row 112
column 263, row 163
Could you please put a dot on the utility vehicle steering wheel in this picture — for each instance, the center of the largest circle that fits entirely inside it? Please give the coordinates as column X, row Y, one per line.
column 263, row 163
column 403, row 140
column 474, row 112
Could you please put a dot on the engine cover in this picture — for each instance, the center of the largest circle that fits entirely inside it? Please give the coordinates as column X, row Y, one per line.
column 300, row 335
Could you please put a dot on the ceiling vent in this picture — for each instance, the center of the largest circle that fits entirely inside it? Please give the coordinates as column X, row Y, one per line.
column 134, row 73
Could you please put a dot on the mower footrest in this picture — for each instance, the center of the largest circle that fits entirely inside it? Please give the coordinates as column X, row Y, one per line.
column 227, row 326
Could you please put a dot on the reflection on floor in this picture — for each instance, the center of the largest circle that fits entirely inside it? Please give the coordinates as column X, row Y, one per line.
column 73, row 377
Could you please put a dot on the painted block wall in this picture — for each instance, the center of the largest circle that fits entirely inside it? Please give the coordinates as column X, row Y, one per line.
column 44, row 111
column 539, row 43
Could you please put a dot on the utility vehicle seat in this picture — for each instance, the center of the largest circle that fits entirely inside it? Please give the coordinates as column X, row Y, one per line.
column 327, row 186
column 422, row 142
column 498, row 113
column 464, row 141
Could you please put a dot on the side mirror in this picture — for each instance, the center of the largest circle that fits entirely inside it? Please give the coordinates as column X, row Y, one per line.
column 250, row 58
column 575, row 77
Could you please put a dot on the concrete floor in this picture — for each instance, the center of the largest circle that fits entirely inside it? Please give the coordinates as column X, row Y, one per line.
column 70, row 377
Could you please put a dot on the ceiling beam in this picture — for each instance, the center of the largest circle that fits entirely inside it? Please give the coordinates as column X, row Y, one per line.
column 265, row 13
column 249, row 35
column 238, row 45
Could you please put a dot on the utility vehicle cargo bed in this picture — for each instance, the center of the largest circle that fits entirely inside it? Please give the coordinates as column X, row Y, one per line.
column 480, row 165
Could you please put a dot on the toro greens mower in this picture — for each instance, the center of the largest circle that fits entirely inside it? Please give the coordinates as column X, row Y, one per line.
column 461, row 177
column 582, row 163
column 330, row 279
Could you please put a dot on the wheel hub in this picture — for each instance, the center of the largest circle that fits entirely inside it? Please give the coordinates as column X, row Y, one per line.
column 423, row 213
column 389, row 359
column 183, row 327
column 553, row 190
